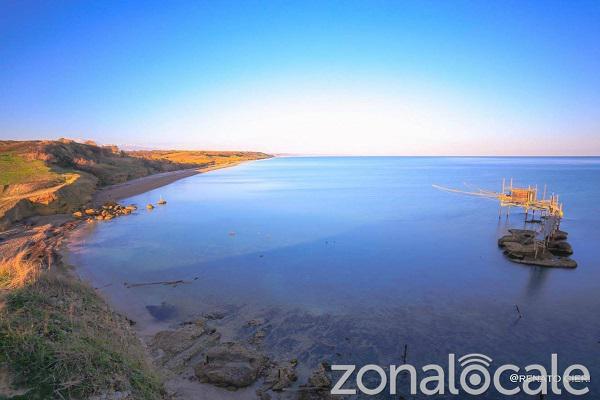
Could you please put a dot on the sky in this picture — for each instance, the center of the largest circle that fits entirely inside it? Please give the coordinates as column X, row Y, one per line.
column 323, row 77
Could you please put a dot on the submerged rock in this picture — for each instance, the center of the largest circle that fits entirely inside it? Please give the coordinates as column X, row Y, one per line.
column 320, row 378
column 194, row 351
column 281, row 376
column 163, row 311
column 176, row 348
column 231, row 365
column 319, row 385
column 215, row 315
column 256, row 322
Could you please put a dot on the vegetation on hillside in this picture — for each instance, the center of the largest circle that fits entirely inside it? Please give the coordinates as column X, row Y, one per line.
column 60, row 176
column 106, row 163
column 205, row 158
column 16, row 169
column 27, row 161
column 60, row 340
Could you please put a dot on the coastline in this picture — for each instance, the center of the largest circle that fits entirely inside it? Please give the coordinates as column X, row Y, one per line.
column 179, row 352
column 150, row 182
column 41, row 247
column 170, row 363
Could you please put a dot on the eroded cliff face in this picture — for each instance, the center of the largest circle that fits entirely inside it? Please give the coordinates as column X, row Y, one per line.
column 20, row 201
column 54, row 177
column 42, row 177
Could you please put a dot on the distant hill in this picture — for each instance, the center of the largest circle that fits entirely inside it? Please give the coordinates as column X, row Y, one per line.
column 54, row 176
column 204, row 158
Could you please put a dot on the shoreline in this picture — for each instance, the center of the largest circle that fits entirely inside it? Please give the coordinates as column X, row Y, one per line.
column 147, row 183
column 40, row 243
column 171, row 363
column 179, row 351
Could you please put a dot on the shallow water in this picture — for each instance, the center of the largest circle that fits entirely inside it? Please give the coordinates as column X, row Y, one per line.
column 351, row 259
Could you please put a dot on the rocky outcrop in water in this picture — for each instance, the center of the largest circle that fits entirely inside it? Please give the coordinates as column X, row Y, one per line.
column 521, row 246
column 106, row 212
column 231, row 365
column 175, row 349
column 194, row 351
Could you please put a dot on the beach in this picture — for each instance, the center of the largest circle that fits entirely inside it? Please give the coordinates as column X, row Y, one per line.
column 146, row 183
column 32, row 264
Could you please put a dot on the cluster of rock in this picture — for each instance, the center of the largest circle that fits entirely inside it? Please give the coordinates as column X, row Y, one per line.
column 521, row 246
column 195, row 351
column 161, row 202
column 106, row 212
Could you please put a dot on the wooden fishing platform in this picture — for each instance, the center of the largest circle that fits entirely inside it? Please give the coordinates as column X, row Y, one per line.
column 545, row 246
column 525, row 198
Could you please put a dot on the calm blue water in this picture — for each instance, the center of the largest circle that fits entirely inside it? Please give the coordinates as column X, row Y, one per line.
column 349, row 259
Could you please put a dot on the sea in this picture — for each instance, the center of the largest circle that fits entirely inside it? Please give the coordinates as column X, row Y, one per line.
column 360, row 260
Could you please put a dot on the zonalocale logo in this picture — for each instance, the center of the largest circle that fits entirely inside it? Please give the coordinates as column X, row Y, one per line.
column 475, row 378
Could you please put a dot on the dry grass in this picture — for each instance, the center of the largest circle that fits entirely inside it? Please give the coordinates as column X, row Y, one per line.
column 199, row 158
column 61, row 340
column 17, row 271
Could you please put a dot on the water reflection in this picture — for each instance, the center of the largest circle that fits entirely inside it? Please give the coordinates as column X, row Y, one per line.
column 349, row 259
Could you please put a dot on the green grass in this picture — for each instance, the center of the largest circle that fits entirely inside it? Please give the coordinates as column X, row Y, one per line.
column 60, row 340
column 16, row 169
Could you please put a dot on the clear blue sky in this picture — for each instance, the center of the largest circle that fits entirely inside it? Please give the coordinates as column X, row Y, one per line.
column 369, row 77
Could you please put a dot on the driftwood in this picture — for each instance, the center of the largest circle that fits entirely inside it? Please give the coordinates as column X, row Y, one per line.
column 167, row 283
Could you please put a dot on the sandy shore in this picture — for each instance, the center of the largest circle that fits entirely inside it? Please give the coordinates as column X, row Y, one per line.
column 42, row 239
column 147, row 183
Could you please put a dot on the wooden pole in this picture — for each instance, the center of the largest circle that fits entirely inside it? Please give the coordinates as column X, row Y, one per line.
column 544, row 196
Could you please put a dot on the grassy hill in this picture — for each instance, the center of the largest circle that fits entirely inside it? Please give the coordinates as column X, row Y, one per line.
column 54, row 176
column 204, row 158
column 16, row 169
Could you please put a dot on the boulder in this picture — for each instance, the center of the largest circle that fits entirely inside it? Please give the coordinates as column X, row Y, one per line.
column 281, row 376
column 519, row 246
column 560, row 235
column 560, row 248
column 520, row 249
column 231, row 365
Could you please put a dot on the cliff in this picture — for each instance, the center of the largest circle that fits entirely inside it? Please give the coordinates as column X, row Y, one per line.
column 48, row 177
